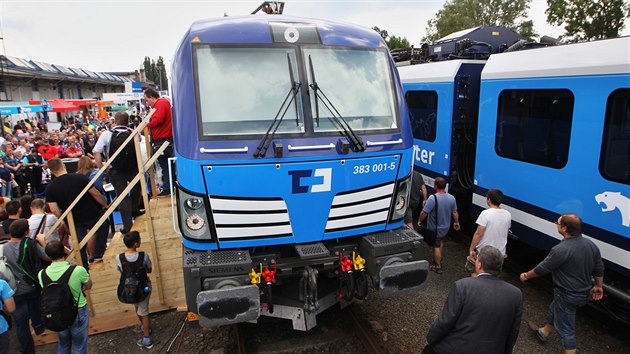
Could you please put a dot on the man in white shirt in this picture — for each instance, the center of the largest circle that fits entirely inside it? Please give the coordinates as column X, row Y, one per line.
column 493, row 225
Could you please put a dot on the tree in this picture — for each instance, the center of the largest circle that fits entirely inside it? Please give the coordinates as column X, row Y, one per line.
column 160, row 74
column 393, row 42
column 457, row 15
column 156, row 71
column 588, row 19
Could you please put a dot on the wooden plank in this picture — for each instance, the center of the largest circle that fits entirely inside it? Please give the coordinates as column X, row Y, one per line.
column 109, row 313
column 110, row 322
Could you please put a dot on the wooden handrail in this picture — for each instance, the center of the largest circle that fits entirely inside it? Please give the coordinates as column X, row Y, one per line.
column 142, row 168
column 119, row 198
column 100, row 172
column 149, row 223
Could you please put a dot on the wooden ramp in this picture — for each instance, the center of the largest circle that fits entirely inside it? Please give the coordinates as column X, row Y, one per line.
column 107, row 313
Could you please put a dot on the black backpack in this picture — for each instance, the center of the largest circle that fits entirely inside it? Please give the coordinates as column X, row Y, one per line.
column 29, row 262
column 126, row 160
column 133, row 280
column 58, row 306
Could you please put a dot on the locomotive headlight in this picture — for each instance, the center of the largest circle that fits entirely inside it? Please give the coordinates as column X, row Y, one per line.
column 193, row 219
column 401, row 203
column 193, row 203
column 195, row 222
column 403, row 187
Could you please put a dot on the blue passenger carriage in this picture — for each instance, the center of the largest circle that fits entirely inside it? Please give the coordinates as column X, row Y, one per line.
column 550, row 127
column 443, row 100
column 293, row 162
column 554, row 135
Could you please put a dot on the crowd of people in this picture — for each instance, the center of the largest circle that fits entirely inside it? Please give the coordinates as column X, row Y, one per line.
column 37, row 189
column 25, row 151
column 483, row 312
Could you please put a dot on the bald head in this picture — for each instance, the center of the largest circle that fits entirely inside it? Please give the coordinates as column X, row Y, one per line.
column 572, row 223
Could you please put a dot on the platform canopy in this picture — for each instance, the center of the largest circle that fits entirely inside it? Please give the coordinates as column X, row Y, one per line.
column 83, row 102
column 62, row 106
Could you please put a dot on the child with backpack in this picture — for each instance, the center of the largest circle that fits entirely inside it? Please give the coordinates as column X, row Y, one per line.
column 135, row 286
column 63, row 304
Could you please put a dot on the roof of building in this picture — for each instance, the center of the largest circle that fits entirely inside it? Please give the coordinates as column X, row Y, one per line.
column 32, row 68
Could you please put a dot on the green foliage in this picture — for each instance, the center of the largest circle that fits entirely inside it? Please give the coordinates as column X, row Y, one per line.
column 457, row 15
column 156, row 71
column 588, row 19
column 393, row 42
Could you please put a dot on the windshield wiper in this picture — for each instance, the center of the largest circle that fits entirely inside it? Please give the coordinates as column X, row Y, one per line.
column 261, row 150
column 340, row 123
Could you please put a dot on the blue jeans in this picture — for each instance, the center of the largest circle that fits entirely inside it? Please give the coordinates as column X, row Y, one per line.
column 162, row 160
column 562, row 314
column 7, row 190
column 27, row 308
column 130, row 203
column 75, row 337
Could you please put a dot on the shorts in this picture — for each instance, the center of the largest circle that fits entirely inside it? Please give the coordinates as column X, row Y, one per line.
column 142, row 308
column 430, row 237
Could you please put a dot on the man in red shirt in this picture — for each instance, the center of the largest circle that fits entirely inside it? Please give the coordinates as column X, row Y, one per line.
column 47, row 151
column 73, row 149
column 161, row 127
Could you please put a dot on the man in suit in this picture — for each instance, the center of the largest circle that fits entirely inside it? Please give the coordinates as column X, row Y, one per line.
column 482, row 314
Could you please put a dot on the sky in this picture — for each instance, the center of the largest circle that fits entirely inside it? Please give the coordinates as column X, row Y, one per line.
column 116, row 35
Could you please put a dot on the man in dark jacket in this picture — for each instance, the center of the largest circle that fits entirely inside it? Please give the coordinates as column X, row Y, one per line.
column 482, row 314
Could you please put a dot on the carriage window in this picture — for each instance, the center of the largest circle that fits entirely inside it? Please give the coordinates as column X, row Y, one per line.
column 535, row 126
column 614, row 163
column 423, row 113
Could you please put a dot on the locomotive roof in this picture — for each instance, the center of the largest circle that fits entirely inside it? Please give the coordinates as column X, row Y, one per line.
column 255, row 29
column 603, row 57
column 441, row 71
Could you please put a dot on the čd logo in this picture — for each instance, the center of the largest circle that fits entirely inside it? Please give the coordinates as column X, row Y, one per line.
column 313, row 181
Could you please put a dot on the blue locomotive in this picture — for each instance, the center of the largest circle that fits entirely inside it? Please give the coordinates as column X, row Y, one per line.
column 293, row 164
column 550, row 127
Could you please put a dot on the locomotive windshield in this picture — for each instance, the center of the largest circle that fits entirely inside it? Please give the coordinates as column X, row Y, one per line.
column 241, row 89
column 359, row 85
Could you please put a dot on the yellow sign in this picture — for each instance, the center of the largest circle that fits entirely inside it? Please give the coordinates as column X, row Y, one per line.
column 192, row 316
column 196, row 40
column 495, row 33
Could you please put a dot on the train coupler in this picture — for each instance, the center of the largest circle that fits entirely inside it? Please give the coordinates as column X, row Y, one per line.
column 308, row 289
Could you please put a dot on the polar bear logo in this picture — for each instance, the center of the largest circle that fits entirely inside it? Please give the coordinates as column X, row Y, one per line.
column 610, row 201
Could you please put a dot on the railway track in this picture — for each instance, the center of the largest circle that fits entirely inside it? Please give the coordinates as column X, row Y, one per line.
column 339, row 331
